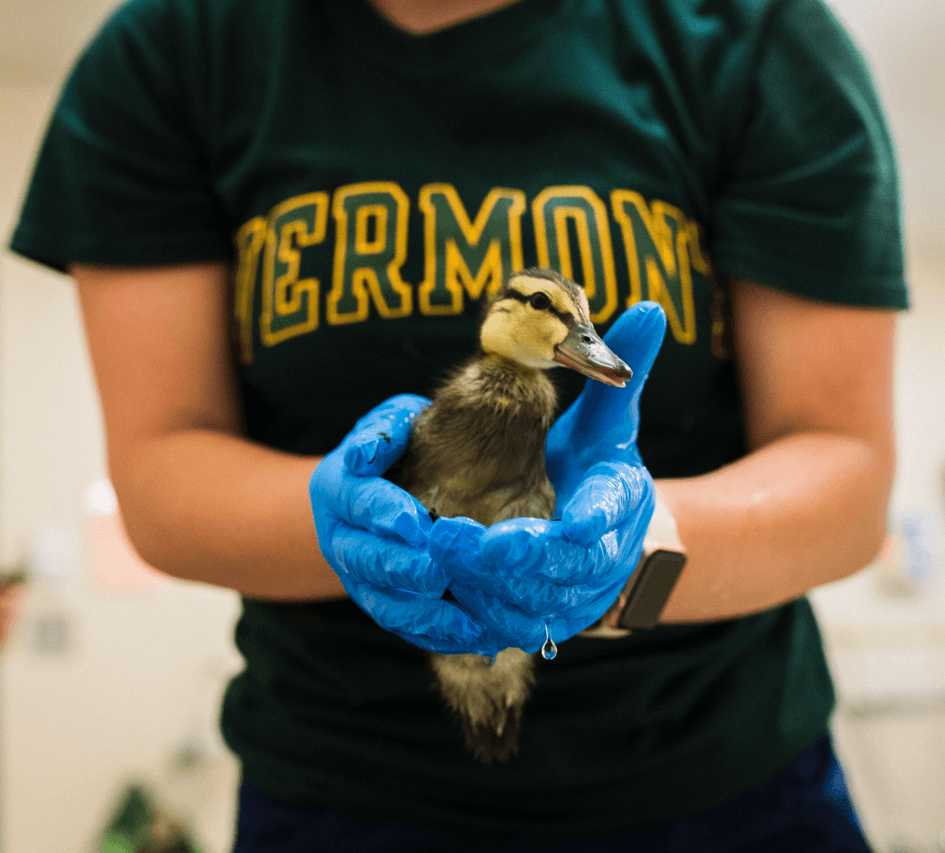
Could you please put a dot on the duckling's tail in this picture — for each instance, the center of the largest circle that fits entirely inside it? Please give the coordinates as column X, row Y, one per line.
column 488, row 744
column 487, row 698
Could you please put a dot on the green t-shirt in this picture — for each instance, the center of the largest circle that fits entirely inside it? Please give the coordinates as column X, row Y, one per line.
column 370, row 186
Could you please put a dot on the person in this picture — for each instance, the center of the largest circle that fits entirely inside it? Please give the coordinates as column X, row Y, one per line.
column 10, row 595
column 281, row 217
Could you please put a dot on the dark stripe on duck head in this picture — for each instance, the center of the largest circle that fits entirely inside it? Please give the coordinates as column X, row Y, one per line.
column 565, row 317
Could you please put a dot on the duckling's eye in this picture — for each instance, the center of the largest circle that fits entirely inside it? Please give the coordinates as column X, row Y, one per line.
column 539, row 301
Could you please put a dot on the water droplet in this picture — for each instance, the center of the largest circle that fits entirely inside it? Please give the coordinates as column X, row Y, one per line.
column 549, row 650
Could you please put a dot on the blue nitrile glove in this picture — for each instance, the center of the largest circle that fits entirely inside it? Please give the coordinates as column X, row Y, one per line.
column 374, row 534
column 519, row 577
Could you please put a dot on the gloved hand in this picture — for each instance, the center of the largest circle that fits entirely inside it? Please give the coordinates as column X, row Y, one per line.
column 374, row 534
column 524, row 577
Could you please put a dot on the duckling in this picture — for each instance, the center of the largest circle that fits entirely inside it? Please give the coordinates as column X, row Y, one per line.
column 479, row 451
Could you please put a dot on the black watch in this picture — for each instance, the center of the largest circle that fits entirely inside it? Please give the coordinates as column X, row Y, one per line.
column 643, row 597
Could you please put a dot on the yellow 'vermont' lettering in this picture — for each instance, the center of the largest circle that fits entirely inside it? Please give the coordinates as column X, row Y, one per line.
column 368, row 257
column 368, row 218
column 477, row 255
column 671, row 261
column 553, row 210
column 249, row 242
column 465, row 257
column 290, row 303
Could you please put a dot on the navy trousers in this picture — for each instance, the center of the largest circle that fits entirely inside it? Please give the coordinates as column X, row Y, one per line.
column 804, row 809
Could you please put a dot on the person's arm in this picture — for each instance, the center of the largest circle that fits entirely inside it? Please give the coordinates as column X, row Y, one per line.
column 200, row 501
column 10, row 594
column 808, row 504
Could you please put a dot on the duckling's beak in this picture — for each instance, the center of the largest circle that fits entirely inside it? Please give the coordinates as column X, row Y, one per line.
column 583, row 350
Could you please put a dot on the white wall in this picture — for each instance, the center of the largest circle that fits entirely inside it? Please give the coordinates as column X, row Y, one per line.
column 134, row 683
column 141, row 671
column 903, row 40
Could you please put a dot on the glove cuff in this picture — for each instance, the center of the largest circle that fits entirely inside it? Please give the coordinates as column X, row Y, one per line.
column 661, row 531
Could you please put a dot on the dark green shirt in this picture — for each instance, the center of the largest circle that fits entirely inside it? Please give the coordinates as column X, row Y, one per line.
column 370, row 186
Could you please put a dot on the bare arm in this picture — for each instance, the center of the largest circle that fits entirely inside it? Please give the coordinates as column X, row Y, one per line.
column 805, row 507
column 808, row 504
column 200, row 501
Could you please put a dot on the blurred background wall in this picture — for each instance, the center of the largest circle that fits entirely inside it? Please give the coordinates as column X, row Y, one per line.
column 113, row 677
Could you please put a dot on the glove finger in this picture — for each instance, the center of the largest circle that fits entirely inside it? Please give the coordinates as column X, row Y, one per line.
column 454, row 545
column 506, row 624
column 554, row 557
column 386, row 562
column 544, row 597
column 488, row 644
column 457, row 544
column 512, row 566
column 607, row 567
column 380, row 507
column 604, row 416
column 485, row 590
column 506, row 572
column 523, row 547
column 379, row 438
column 608, row 494
column 636, row 337
column 596, row 605
column 516, row 548
column 433, row 624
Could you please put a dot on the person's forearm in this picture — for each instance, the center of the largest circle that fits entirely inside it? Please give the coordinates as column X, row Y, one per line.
column 804, row 510
column 212, row 507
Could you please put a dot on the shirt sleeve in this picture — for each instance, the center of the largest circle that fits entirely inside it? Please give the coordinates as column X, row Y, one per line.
column 809, row 195
column 122, row 176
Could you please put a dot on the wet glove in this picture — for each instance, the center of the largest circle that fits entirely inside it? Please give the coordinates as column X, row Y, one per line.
column 527, row 579
column 374, row 534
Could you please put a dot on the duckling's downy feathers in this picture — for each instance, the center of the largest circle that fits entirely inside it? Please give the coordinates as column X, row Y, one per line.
column 479, row 451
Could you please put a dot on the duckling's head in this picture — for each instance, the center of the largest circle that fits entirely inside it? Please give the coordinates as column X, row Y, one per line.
column 541, row 319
